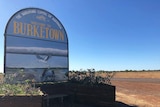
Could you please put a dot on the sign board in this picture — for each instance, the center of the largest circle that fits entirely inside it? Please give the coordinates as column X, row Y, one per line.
column 36, row 47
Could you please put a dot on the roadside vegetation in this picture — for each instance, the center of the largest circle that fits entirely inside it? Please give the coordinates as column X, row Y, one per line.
column 10, row 89
column 90, row 77
column 18, row 89
column 84, row 77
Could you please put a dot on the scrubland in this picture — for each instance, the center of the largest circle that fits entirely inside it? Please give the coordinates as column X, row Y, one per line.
column 134, row 88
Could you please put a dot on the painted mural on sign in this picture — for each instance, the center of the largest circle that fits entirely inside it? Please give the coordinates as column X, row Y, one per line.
column 36, row 47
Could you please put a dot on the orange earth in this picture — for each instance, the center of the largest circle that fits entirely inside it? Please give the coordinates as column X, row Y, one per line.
column 140, row 89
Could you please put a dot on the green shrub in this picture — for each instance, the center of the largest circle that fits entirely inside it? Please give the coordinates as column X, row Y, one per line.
column 19, row 89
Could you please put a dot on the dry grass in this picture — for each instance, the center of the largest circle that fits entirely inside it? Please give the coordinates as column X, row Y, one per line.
column 153, row 74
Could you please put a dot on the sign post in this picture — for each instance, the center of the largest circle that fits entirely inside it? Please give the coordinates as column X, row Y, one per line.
column 36, row 47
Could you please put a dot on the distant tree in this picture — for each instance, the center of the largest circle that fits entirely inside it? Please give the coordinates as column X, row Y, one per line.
column 126, row 70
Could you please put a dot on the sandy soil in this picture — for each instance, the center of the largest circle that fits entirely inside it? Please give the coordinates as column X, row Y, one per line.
column 140, row 91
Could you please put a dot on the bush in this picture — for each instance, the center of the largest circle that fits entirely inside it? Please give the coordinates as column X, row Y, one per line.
column 19, row 89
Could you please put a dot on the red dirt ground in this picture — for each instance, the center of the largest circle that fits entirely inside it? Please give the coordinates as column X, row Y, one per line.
column 136, row 91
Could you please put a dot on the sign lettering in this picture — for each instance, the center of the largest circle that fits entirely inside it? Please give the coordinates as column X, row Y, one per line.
column 39, row 31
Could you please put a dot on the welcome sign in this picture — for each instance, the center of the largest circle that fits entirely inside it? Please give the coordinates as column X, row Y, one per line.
column 36, row 47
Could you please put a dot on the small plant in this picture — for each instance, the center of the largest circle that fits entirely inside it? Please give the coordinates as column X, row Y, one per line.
column 89, row 77
column 19, row 89
column 10, row 87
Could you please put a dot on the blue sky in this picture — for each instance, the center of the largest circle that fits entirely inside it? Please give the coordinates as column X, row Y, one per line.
column 103, row 34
